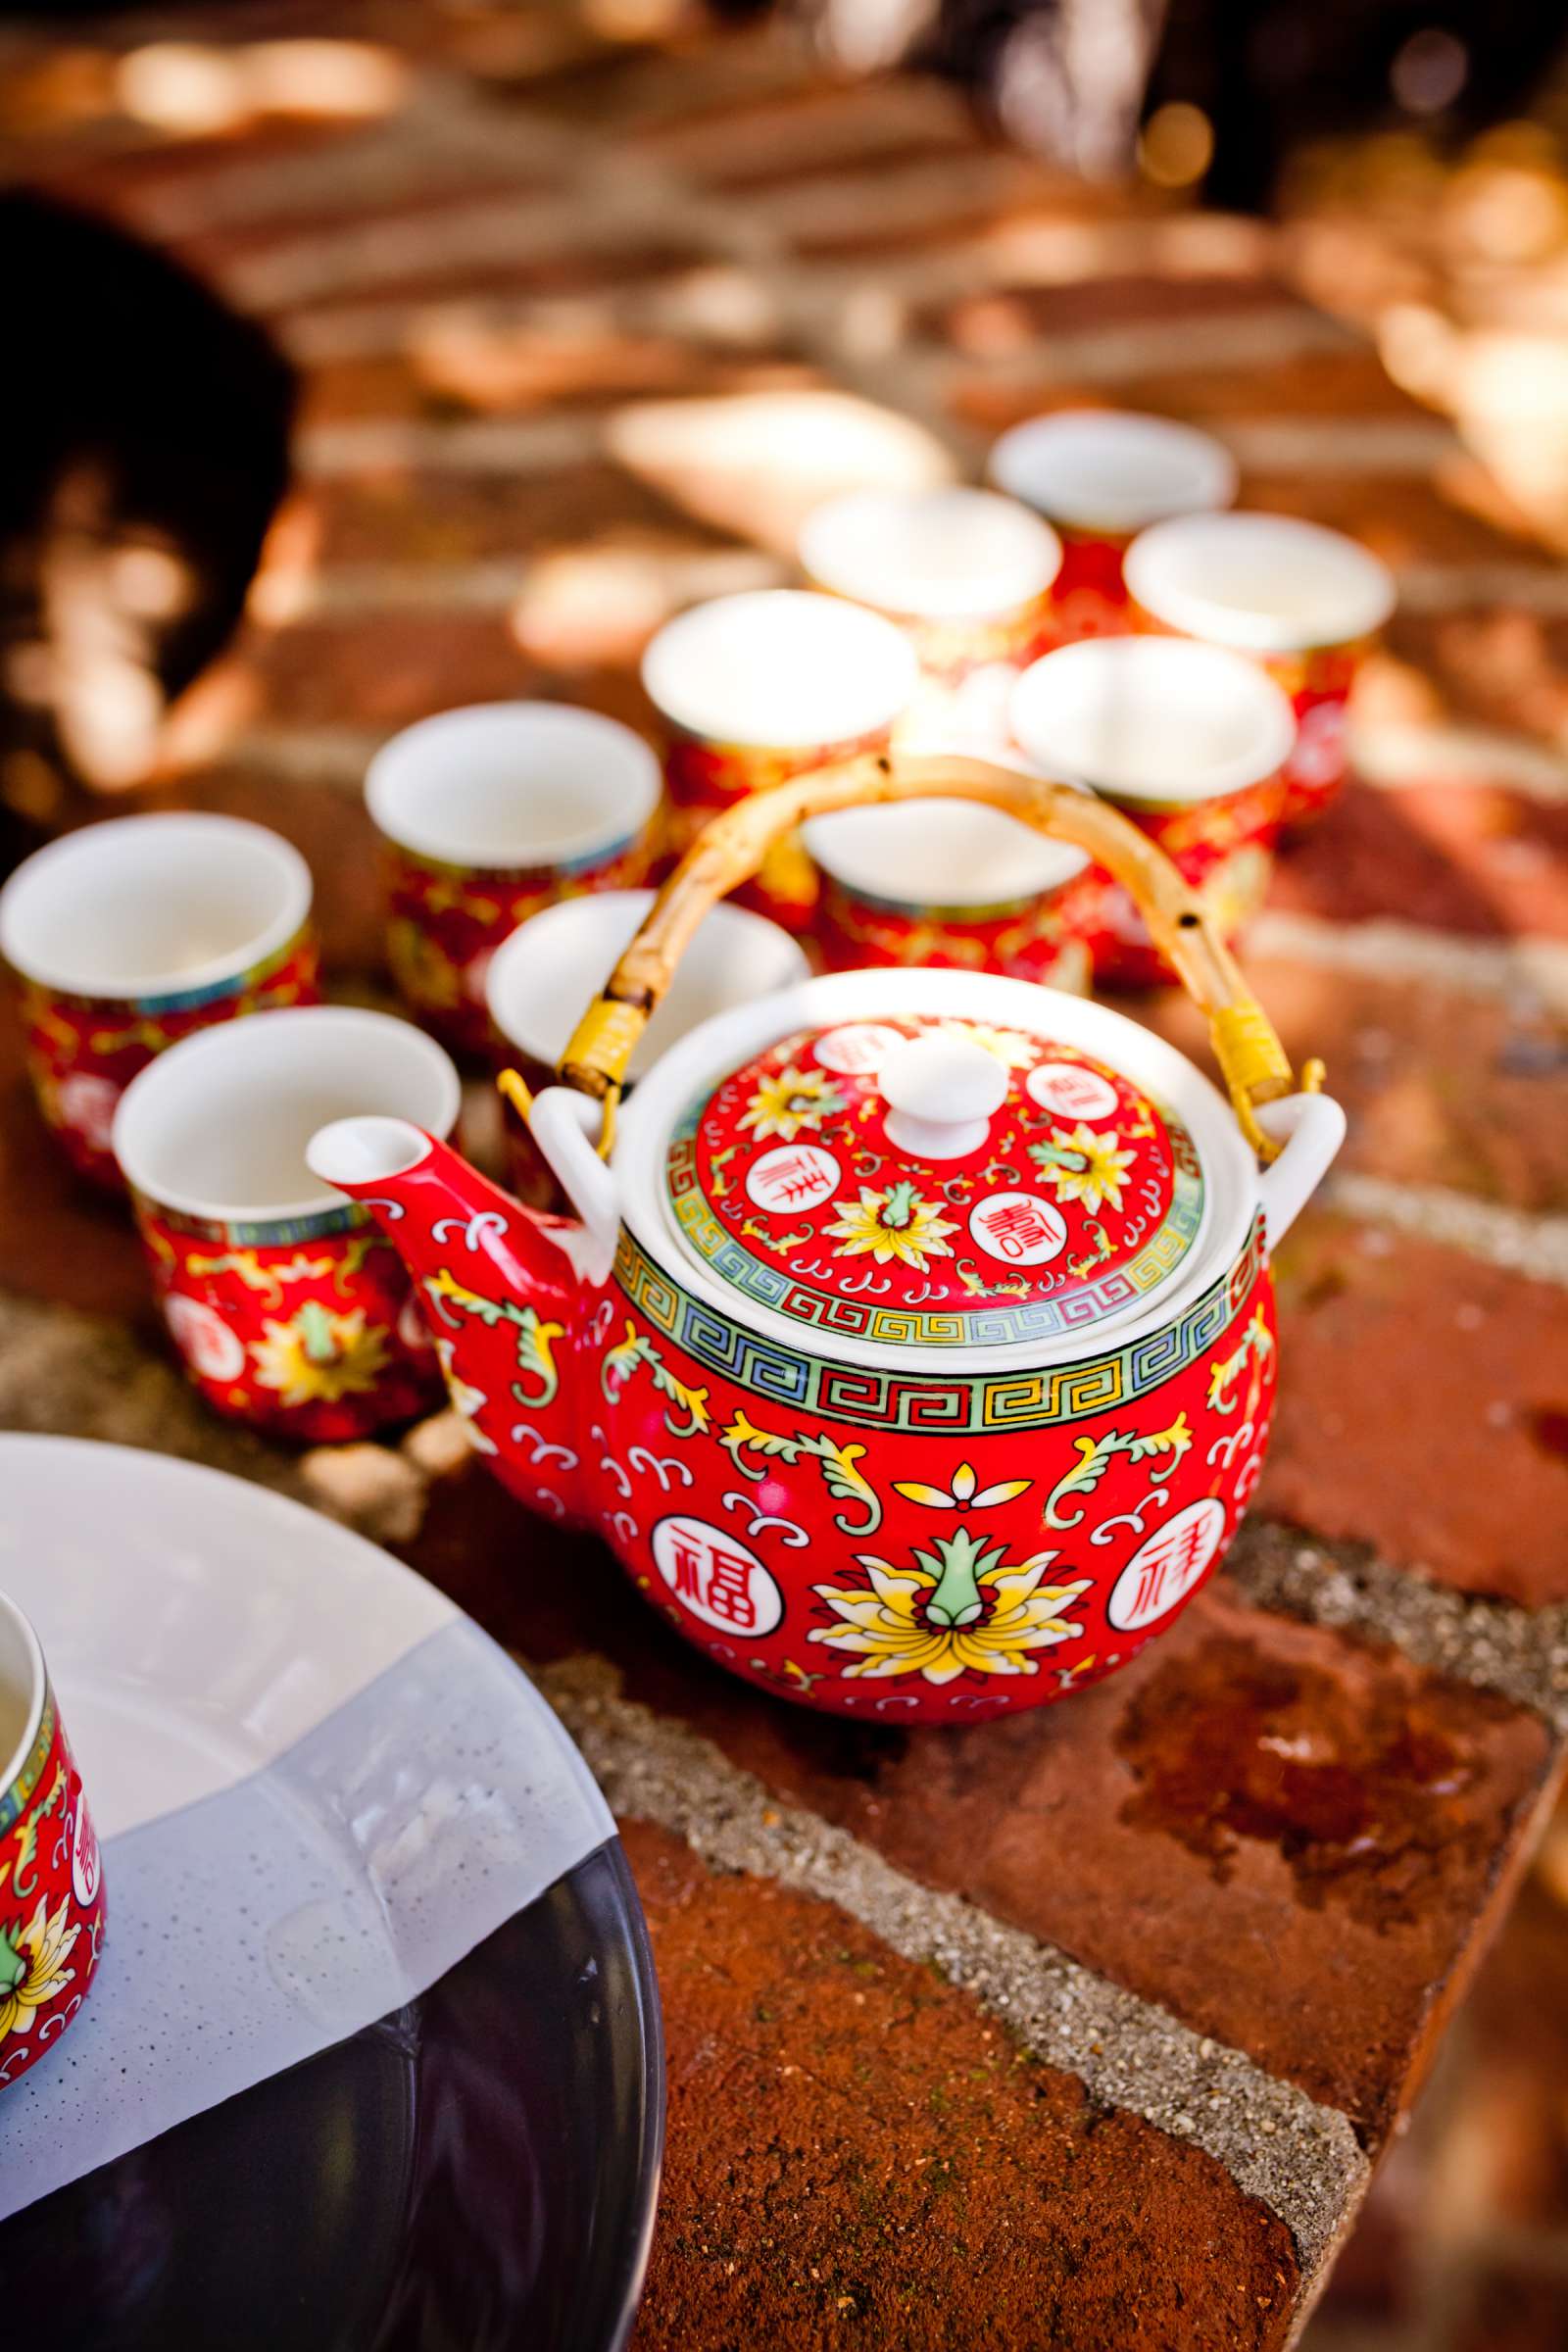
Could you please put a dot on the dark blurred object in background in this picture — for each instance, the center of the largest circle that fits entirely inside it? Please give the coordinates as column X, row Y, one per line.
column 146, row 452
column 1229, row 86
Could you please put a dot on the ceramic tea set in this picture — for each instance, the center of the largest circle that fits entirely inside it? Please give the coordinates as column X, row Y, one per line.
column 906, row 1329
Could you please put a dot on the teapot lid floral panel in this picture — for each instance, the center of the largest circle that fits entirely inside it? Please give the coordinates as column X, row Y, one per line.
column 987, row 1187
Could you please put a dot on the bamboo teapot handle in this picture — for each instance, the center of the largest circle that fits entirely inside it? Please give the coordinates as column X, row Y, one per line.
column 730, row 848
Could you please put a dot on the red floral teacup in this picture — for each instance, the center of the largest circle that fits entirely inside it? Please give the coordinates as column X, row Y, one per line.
column 1304, row 602
column 1189, row 741
column 554, row 963
column 487, row 815
column 291, row 1309
column 951, row 884
column 127, row 936
column 966, row 575
column 51, row 1875
column 1100, row 477
column 759, row 687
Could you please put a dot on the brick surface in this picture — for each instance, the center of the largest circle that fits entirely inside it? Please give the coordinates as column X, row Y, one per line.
column 1423, row 1408
column 424, row 518
column 1477, row 858
column 847, row 2131
column 1281, row 1834
column 1441, row 1087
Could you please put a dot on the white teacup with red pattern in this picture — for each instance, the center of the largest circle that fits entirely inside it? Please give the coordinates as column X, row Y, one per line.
column 759, row 687
column 1189, row 741
column 966, row 574
column 289, row 1308
column 487, row 815
column 1100, row 477
column 551, row 965
column 950, row 884
column 51, row 1872
column 130, row 935
column 1303, row 601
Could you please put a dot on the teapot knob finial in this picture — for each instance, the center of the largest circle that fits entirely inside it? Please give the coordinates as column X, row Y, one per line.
column 942, row 1094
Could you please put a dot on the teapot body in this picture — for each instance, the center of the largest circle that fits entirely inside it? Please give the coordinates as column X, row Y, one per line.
column 924, row 1548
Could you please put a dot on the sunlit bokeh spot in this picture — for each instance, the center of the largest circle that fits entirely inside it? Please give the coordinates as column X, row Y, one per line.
column 595, row 608
column 639, row 19
column 341, row 79
column 183, row 88
column 756, row 463
column 1509, row 212
column 1176, row 146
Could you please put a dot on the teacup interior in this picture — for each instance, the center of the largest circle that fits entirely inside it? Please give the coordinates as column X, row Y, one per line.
column 940, row 554
column 926, row 854
column 1267, row 582
column 152, row 903
column 1104, row 468
column 1153, row 718
column 513, row 785
column 780, row 667
column 218, row 1126
column 543, row 980
column 20, row 1688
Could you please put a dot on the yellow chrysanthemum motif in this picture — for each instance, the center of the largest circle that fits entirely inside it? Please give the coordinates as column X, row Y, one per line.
column 1085, row 1165
column 894, row 1222
column 1009, row 1046
column 959, row 1610
column 320, row 1354
column 792, row 1099
column 32, row 1964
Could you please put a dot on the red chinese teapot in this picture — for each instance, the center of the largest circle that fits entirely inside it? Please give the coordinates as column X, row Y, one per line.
column 916, row 1349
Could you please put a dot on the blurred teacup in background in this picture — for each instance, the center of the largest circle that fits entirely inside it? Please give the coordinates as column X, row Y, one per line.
column 488, row 813
column 1188, row 740
column 127, row 936
column 51, row 1873
column 1305, row 601
column 966, row 575
column 757, row 688
column 1100, row 477
column 952, row 883
column 292, row 1311
column 544, row 979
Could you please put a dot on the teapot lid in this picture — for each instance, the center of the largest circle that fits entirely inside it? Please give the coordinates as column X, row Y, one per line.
column 923, row 1180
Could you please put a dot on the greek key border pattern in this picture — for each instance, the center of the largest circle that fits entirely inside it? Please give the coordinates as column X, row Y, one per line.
column 959, row 1406
column 995, row 1324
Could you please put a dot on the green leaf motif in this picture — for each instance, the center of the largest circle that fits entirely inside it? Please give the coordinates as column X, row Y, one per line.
column 535, row 1361
column 841, row 1475
column 623, row 1360
column 1096, row 1455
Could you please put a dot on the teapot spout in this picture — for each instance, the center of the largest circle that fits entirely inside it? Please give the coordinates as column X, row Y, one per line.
column 500, row 1290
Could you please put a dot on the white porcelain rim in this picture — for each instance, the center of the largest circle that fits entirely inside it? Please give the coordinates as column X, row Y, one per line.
column 1036, row 461
column 841, row 845
column 96, row 841
column 892, row 671
column 1236, row 678
column 181, row 1065
column 410, row 763
column 1177, row 545
column 832, row 550
column 739, row 921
